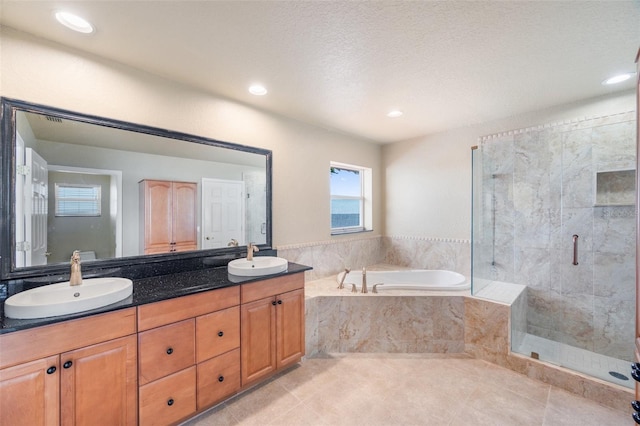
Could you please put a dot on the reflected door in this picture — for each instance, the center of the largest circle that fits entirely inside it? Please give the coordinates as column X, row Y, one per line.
column 222, row 213
column 32, row 198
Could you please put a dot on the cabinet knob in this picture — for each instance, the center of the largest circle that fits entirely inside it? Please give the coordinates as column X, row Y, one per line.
column 221, row 379
column 67, row 364
column 273, row 303
column 220, row 334
column 636, row 417
column 635, row 405
column 169, row 351
column 51, row 370
column 170, row 402
column 279, row 302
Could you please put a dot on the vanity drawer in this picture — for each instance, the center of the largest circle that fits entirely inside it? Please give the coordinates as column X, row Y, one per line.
column 169, row 399
column 271, row 287
column 173, row 310
column 217, row 333
column 218, row 378
column 165, row 350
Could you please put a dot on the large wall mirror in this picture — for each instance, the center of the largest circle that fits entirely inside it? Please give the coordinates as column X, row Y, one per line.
column 120, row 192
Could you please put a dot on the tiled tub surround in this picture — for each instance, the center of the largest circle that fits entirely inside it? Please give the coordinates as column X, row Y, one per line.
column 546, row 184
column 435, row 322
column 331, row 257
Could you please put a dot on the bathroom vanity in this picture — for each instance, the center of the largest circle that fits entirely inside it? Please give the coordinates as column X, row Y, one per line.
column 183, row 343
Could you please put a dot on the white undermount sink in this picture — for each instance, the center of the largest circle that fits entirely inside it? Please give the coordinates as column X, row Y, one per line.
column 63, row 299
column 260, row 265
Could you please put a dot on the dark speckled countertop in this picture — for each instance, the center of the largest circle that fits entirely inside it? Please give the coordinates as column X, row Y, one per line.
column 155, row 289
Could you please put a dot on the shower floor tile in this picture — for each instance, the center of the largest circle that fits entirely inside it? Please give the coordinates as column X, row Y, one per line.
column 577, row 359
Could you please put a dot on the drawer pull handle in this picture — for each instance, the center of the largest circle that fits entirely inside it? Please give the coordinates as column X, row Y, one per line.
column 169, row 351
column 51, row 370
column 220, row 334
column 170, row 402
column 67, row 364
column 221, row 379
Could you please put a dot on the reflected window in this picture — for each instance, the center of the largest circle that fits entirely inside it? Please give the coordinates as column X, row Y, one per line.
column 78, row 200
column 350, row 198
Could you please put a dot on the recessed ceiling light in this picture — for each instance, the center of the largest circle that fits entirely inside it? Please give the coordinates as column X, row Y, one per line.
column 258, row 90
column 618, row 78
column 74, row 22
column 394, row 113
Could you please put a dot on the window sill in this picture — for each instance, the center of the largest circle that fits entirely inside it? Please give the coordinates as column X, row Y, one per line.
column 349, row 231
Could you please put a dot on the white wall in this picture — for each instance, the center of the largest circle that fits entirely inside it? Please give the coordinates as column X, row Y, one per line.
column 35, row 70
column 427, row 182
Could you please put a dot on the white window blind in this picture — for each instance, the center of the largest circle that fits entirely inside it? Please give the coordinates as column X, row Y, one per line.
column 78, row 200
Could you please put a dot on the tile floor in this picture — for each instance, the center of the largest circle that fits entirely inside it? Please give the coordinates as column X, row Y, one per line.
column 406, row 389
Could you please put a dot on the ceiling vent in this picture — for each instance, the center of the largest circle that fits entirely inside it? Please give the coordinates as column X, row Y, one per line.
column 53, row 119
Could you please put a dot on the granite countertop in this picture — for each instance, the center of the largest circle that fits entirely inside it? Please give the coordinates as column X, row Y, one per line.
column 154, row 289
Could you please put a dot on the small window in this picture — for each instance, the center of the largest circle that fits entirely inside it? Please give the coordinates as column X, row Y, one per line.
column 350, row 198
column 78, row 200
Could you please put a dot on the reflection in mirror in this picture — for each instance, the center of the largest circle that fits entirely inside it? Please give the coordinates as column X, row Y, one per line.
column 112, row 189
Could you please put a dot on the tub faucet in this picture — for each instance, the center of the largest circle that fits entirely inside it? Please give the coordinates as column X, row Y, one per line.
column 76, row 272
column 251, row 248
column 341, row 285
column 364, row 281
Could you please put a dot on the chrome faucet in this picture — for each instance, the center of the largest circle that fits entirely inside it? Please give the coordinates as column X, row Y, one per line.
column 76, row 272
column 233, row 243
column 341, row 285
column 251, row 248
column 364, row 281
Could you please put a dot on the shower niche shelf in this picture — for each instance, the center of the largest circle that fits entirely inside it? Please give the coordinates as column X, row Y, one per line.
column 615, row 188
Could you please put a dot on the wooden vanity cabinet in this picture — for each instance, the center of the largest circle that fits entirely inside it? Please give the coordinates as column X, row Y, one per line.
column 71, row 373
column 272, row 326
column 30, row 393
column 189, row 355
column 167, row 216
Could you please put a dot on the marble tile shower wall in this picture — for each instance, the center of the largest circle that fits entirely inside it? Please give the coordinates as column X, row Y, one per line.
column 538, row 189
column 331, row 257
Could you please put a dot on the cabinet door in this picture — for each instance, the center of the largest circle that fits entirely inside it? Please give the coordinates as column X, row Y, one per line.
column 184, row 216
column 290, row 324
column 258, row 339
column 99, row 384
column 158, row 216
column 30, row 393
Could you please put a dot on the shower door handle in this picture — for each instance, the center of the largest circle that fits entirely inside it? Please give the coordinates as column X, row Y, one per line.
column 575, row 249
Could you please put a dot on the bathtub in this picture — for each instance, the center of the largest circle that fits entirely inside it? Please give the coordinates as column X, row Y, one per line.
column 412, row 279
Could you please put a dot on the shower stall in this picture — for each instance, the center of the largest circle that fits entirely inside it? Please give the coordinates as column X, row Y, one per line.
column 554, row 218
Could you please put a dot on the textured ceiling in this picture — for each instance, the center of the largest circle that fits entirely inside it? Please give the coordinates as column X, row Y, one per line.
column 343, row 65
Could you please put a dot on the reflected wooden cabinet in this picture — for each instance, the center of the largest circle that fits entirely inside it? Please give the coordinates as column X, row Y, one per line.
column 167, row 216
column 272, row 318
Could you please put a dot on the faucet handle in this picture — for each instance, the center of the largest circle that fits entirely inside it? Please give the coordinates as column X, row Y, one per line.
column 375, row 287
column 353, row 288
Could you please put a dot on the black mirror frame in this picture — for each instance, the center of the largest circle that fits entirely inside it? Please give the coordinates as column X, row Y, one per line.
column 7, row 196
